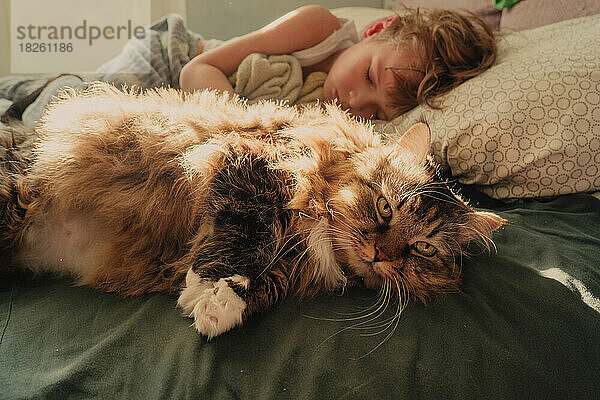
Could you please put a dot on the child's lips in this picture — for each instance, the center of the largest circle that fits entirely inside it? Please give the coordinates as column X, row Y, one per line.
column 336, row 99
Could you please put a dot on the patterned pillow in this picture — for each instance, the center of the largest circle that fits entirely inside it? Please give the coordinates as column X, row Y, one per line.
column 530, row 125
column 482, row 8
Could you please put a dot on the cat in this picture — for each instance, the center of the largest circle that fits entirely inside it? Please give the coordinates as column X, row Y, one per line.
column 232, row 206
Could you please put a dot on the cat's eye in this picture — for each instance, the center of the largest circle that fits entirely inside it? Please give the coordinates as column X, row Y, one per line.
column 384, row 209
column 424, row 249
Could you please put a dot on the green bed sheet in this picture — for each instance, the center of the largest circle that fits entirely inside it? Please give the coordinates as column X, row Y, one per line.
column 525, row 325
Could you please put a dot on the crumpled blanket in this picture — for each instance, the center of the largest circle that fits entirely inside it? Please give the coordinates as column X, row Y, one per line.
column 170, row 47
column 279, row 77
column 312, row 89
column 262, row 77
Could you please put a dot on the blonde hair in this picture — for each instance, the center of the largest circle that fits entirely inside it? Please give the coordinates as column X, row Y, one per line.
column 452, row 47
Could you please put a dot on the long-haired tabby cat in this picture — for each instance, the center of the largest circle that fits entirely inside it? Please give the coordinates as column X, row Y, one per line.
column 234, row 206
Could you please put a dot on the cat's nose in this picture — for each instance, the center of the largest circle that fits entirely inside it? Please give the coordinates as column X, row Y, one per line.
column 380, row 255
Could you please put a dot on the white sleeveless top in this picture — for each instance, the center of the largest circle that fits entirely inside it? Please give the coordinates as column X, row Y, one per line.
column 340, row 39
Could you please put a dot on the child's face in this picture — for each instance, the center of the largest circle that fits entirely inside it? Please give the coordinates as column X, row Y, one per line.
column 360, row 77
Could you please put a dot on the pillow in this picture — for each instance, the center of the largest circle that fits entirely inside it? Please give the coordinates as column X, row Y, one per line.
column 362, row 16
column 533, row 13
column 483, row 8
column 530, row 125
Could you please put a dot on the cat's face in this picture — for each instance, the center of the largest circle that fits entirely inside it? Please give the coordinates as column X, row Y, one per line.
column 391, row 221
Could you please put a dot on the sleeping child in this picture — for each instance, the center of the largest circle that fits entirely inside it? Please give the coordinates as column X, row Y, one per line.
column 395, row 64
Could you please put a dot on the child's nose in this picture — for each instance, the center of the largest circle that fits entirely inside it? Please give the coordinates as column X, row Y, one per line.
column 356, row 99
column 362, row 105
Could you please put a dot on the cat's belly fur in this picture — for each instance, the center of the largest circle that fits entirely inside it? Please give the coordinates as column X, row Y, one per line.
column 72, row 243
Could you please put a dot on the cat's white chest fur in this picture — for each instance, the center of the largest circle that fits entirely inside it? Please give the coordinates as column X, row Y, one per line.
column 69, row 243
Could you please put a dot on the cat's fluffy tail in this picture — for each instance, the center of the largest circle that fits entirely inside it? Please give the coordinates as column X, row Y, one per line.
column 16, row 145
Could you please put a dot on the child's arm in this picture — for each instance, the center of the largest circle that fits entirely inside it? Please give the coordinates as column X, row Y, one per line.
column 297, row 30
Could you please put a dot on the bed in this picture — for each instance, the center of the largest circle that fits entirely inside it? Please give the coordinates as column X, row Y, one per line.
column 525, row 323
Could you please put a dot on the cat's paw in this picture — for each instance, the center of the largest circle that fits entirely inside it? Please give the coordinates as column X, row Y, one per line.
column 190, row 295
column 215, row 306
column 218, row 310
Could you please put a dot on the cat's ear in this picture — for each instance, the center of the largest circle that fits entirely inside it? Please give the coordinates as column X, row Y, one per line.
column 415, row 142
column 481, row 224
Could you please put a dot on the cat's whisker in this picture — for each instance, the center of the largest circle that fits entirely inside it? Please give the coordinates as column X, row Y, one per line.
column 459, row 251
column 399, row 310
column 344, row 222
column 376, row 325
column 344, row 237
column 305, row 215
column 407, row 288
column 384, row 306
column 333, row 214
column 354, row 236
column 288, row 236
column 348, row 240
column 484, row 240
column 342, row 243
column 383, row 326
column 346, row 249
column 438, row 187
column 340, row 231
column 379, row 308
column 439, row 184
column 443, row 197
column 446, row 184
column 403, row 299
column 406, row 292
column 380, row 304
column 492, row 243
column 380, row 296
column 277, row 257
column 297, row 262
column 342, row 248
column 384, row 302
column 329, row 210
column 451, row 249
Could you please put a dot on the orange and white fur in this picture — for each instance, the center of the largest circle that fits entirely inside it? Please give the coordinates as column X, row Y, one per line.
column 232, row 206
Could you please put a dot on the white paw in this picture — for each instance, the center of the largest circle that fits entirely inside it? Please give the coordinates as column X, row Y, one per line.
column 190, row 295
column 215, row 307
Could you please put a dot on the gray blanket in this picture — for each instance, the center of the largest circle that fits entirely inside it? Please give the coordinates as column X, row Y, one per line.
column 171, row 45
